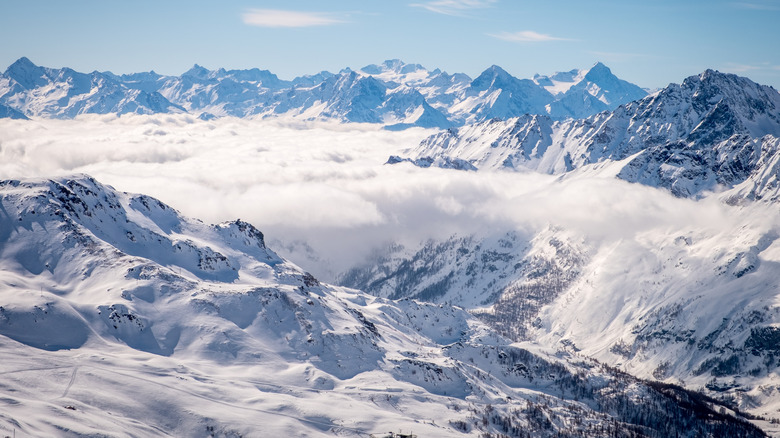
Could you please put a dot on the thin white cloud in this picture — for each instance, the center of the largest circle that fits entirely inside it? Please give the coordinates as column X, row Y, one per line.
column 281, row 18
column 734, row 67
column 453, row 7
column 741, row 68
column 617, row 56
column 526, row 36
column 767, row 5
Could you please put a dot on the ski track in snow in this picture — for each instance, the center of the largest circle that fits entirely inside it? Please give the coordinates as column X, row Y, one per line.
column 70, row 382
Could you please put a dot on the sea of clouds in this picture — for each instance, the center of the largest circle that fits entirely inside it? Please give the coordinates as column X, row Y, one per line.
column 321, row 191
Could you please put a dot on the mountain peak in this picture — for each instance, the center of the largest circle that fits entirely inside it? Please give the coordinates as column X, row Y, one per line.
column 710, row 75
column 22, row 63
column 496, row 70
column 714, row 78
column 493, row 76
column 598, row 72
column 26, row 73
column 197, row 71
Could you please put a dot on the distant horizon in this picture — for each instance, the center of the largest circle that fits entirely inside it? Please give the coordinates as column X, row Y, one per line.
column 344, row 68
column 352, row 68
column 650, row 44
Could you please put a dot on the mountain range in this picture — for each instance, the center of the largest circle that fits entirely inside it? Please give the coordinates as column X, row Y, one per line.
column 713, row 132
column 530, row 331
column 687, row 304
column 395, row 94
column 121, row 317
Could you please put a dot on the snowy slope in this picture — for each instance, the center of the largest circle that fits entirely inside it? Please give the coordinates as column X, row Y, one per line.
column 11, row 113
column 697, row 306
column 560, row 82
column 120, row 317
column 471, row 271
column 690, row 305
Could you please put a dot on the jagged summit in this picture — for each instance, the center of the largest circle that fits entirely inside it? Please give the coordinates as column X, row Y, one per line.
column 21, row 64
column 197, row 71
column 493, row 76
column 27, row 74
column 598, row 71
column 709, row 108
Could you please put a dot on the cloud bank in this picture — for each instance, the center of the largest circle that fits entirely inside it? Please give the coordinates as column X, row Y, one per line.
column 453, row 7
column 321, row 190
column 281, row 18
column 526, row 36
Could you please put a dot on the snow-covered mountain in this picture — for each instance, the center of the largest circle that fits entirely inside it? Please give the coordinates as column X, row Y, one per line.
column 497, row 94
column 121, row 317
column 392, row 93
column 583, row 92
column 686, row 304
column 216, row 92
column 398, row 72
column 477, row 272
column 713, row 131
column 691, row 306
column 65, row 93
column 352, row 97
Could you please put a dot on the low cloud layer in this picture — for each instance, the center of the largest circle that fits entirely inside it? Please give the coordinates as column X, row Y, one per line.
column 325, row 186
column 454, row 7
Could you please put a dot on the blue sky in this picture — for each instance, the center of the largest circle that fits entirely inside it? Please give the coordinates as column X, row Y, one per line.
column 650, row 43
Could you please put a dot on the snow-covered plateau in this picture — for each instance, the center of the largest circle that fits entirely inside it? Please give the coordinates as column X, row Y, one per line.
column 579, row 278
